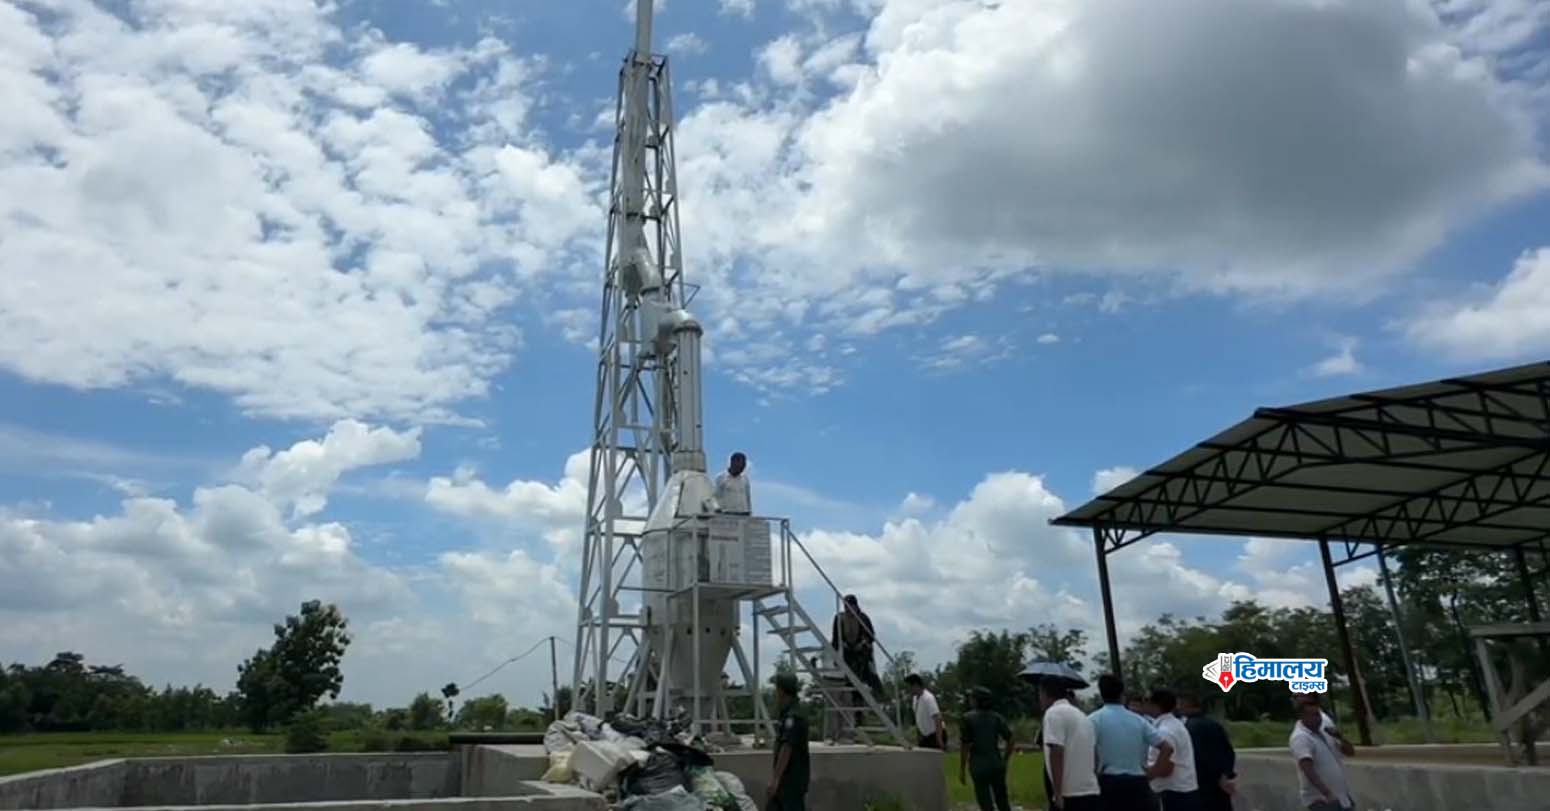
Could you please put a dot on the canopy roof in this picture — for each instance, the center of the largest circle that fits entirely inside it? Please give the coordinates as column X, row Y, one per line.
column 1462, row 461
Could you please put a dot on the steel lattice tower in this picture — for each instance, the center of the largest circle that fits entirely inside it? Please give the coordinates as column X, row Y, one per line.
column 634, row 411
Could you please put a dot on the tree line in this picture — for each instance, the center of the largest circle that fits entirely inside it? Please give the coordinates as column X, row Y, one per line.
column 275, row 688
column 1441, row 593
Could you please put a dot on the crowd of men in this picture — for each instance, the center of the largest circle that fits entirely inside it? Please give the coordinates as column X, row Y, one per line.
column 1158, row 752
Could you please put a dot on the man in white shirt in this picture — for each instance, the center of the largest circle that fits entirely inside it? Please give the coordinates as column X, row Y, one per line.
column 1070, row 745
column 1175, row 784
column 928, row 716
column 1320, row 751
column 732, row 487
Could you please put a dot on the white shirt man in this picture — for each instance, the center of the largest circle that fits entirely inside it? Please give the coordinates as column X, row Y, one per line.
column 928, row 716
column 1183, row 779
column 1070, row 729
column 1320, row 750
column 732, row 487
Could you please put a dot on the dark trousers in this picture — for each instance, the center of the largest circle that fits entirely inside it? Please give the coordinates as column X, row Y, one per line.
column 990, row 790
column 1090, row 802
column 929, row 742
column 787, row 801
column 1214, row 799
column 1126, row 792
column 1179, row 800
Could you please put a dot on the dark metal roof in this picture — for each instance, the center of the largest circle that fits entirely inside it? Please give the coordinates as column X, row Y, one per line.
column 1460, row 461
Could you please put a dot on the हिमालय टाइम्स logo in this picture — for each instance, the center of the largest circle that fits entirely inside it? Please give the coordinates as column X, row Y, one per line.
column 1300, row 675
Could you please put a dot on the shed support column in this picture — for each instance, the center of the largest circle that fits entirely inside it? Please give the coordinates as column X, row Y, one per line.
column 1362, row 727
column 1528, row 583
column 1108, row 600
column 1411, row 676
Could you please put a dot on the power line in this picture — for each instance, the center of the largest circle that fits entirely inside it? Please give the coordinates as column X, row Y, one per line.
column 512, row 660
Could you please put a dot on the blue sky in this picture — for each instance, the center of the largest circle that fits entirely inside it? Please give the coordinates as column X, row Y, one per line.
column 297, row 297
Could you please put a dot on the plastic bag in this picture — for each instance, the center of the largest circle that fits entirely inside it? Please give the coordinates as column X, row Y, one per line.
column 739, row 792
column 590, row 724
column 675, row 800
column 559, row 769
column 708, row 788
column 562, row 736
column 660, row 774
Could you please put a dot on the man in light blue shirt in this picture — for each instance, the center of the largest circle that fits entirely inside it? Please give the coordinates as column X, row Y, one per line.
column 1123, row 740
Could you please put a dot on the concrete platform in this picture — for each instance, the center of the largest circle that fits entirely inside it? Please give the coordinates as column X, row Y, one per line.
column 1267, row 781
column 421, row 781
column 844, row 778
column 471, row 778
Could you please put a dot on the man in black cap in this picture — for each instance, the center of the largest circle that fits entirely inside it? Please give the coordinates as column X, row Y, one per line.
column 982, row 731
column 788, row 784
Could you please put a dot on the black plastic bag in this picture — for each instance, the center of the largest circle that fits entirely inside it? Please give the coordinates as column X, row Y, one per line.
column 660, row 773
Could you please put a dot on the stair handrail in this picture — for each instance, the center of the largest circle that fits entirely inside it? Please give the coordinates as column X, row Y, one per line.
column 788, row 538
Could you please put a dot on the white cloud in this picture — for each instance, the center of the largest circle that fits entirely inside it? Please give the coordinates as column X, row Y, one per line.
column 743, row 8
column 915, row 504
column 1343, row 362
column 311, row 219
column 958, row 351
column 182, row 592
column 1049, row 338
column 687, row 43
column 993, row 561
column 558, row 509
column 1510, row 319
column 301, row 476
column 1112, row 477
column 845, row 212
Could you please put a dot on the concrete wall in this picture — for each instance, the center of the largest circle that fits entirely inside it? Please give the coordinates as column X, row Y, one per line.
column 247, row 779
column 846, row 777
column 96, row 784
column 499, row 771
column 1267, row 781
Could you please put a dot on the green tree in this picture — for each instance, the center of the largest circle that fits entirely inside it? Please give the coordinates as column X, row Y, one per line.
column 483, row 714
column 426, row 712
column 300, row 667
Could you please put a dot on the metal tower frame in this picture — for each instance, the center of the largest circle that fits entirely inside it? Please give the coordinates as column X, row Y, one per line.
column 632, row 441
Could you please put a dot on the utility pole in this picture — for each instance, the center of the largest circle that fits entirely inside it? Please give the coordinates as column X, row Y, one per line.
column 554, row 682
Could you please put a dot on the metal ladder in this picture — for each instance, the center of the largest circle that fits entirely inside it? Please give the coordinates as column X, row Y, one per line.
column 832, row 679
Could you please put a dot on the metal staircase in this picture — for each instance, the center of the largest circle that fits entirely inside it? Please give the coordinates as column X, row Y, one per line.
column 805, row 641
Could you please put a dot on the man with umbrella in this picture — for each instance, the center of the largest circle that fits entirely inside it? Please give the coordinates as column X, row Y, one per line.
column 1066, row 735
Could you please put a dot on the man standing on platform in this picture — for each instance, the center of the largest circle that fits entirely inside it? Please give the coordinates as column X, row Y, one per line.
column 788, row 784
column 1123, row 740
column 732, row 487
column 1215, row 760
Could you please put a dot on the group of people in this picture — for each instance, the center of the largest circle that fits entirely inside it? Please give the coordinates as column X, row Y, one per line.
column 1159, row 751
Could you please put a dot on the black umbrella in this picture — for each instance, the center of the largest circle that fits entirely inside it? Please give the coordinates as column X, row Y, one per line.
column 1063, row 673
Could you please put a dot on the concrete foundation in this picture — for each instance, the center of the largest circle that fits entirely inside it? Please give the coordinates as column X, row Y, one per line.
column 844, row 778
column 1267, row 781
column 473, row 778
column 429, row 781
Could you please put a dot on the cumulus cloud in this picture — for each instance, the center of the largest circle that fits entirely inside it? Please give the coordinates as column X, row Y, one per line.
column 263, row 202
column 302, row 475
column 1343, row 362
column 1282, row 148
column 1110, row 478
column 559, row 508
column 1511, row 318
column 181, row 591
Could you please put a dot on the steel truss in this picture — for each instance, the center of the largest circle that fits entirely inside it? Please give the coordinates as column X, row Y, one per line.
column 631, row 455
column 1291, row 442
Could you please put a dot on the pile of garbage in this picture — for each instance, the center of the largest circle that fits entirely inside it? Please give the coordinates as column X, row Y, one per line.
column 641, row 765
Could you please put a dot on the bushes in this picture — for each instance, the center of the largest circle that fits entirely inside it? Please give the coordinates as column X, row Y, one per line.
column 305, row 734
column 377, row 739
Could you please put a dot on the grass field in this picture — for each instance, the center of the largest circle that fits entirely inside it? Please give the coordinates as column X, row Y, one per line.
column 1024, row 782
column 25, row 753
